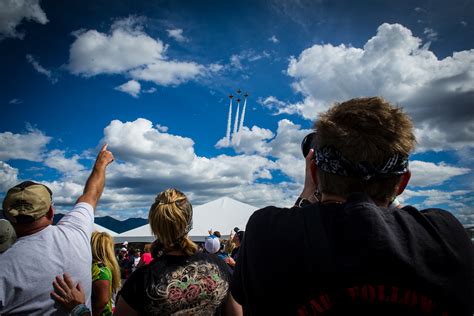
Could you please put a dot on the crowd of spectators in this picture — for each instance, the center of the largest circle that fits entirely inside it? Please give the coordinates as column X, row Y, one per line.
column 345, row 247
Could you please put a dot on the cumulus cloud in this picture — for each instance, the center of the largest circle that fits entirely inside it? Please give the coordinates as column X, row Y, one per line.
column 430, row 174
column 128, row 50
column 177, row 35
column 13, row 12
column 30, row 146
column 395, row 64
column 36, row 65
column 168, row 72
column 8, row 176
column 252, row 141
column 151, row 159
column 131, row 87
column 56, row 159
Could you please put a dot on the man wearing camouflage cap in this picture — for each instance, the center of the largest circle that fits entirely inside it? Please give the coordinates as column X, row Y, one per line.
column 43, row 250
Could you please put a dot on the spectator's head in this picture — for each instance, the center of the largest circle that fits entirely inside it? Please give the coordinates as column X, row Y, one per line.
column 147, row 248
column 369, row 140
column 217, row 234
column 7, row 235
column 212, row 245
column 238, row 237
column 170, row 220
column 29, row 207
column 102, row 246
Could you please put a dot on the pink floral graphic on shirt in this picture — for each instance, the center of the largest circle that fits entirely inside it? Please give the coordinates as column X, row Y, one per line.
column 197, row 288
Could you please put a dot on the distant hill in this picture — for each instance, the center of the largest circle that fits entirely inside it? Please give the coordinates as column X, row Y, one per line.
column 112, row 223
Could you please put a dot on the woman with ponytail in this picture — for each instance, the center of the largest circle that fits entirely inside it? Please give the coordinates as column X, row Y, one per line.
column 105, row 273
column 179, row 280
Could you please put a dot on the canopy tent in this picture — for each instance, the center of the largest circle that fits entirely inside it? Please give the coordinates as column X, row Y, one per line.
column 220, row 215
column 102, row 229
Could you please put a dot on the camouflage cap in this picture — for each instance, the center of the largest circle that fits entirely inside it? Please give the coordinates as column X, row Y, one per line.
column 7, row 235
column 26, row 202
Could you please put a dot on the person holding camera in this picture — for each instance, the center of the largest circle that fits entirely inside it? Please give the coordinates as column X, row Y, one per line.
column 349, row 252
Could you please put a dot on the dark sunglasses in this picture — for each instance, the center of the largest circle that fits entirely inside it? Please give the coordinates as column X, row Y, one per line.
column 308, row 140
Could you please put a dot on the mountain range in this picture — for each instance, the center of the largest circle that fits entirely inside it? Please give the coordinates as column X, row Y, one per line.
column 112, row 223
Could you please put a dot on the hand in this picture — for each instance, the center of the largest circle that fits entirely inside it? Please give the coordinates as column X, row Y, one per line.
column 210, row 231
column 66, row 293
column 230, row 261
column 104, row 158
column 309, row 185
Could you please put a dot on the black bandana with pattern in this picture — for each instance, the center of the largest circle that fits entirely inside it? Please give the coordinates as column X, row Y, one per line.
column 330, row 160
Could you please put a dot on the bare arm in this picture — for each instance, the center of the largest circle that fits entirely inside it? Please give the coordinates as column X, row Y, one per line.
column 95, row 184
column 100, row 296
column 122, row 308
column 231, row 307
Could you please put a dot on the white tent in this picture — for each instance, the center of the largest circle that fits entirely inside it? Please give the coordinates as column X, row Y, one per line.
column 222, row 215
column 101, row 229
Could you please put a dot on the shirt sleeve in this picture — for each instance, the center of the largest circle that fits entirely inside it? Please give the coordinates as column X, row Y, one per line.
column 80, row 218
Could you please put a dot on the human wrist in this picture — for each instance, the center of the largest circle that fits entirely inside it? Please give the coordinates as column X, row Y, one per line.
column 80, row 310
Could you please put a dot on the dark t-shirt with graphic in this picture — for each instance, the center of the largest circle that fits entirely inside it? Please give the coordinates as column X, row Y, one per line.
column 354, row 259
column 191, row 285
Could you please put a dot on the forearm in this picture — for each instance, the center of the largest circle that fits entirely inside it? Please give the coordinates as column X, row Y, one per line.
column 96, row 181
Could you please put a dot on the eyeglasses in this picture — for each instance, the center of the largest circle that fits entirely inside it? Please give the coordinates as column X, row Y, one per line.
column 307, row 142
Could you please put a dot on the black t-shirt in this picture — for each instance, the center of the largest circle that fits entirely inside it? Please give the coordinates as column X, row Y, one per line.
column 192, row 285
column 354, row 258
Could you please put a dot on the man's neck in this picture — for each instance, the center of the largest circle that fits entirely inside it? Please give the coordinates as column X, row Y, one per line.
column 333, row 198
column 30, row 229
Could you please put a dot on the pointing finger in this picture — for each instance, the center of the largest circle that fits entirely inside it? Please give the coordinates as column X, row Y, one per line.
column 104, row 148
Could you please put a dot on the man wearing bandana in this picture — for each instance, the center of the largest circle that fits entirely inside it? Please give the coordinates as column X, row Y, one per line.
column 348, row 251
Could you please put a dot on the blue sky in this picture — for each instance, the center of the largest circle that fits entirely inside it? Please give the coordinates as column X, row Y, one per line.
column 152, row 80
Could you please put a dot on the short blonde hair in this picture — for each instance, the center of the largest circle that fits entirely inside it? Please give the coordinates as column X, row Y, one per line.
column 102, row 246
column 170, row 220
column 364, row 129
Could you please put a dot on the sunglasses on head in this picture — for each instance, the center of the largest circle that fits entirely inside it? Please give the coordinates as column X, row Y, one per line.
column 307, row 142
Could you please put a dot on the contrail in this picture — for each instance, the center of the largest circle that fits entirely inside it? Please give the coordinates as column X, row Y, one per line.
column 236, row 123
column 239, row 135
column 227, row 135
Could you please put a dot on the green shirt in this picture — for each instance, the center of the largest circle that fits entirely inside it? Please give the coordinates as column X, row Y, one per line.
column 102, row 272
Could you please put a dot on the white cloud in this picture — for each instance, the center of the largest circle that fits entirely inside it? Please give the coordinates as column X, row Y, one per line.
column 167, row 73
column 430, row 174
column 128, row 50
column 30, row 146
column 252, row 141
column 56, row 159
column 463, row 23
column 394, row 64
column 177, row 35
column 131, row 87
column 149, row 159
column 151, row 90
column 40, row 68
column 125, row 48
column 15, row 101
column 431, row 34
column 13, row 12
column 139, row 140
column 236, row 60
column 273, row 39
column 8, row 176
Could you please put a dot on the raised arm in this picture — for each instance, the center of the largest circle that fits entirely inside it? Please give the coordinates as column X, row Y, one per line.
column 96, row 181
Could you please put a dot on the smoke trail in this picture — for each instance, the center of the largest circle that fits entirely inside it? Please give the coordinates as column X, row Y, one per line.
column 227, row 135
column 239, row 135
column 236, row 124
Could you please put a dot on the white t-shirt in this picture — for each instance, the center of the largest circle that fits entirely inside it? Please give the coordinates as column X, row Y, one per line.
column 28, row 268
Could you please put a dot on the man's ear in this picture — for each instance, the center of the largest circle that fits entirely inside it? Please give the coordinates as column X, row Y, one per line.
column 404, row 182
column 50, row 214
